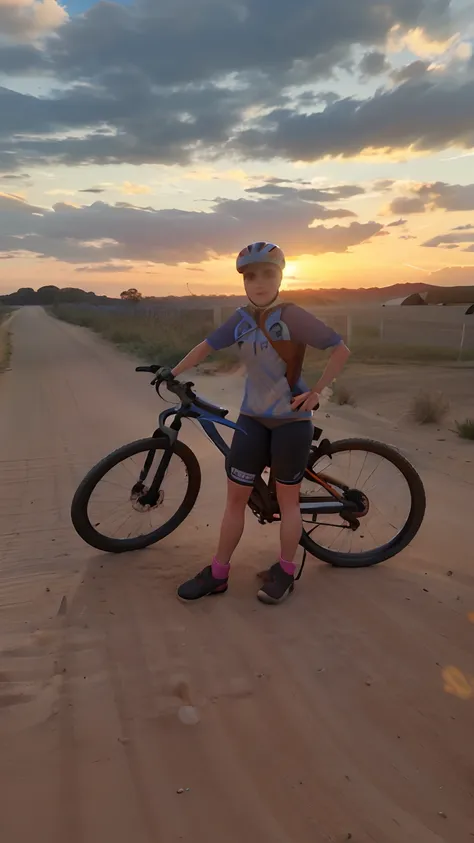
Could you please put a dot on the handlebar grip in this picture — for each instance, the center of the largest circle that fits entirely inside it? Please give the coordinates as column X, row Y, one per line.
column 152, row 370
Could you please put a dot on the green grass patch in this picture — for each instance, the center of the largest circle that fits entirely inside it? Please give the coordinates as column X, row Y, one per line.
column 465, row 429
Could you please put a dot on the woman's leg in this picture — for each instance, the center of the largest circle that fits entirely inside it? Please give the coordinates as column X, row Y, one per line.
column 290, row 451
column 291, row 524
column 249, row 454
column 233, row 521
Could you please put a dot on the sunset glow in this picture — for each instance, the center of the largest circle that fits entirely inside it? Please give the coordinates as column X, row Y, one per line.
column 351, row 151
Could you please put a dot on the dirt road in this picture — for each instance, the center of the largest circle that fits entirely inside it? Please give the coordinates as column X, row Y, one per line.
column 326, row 719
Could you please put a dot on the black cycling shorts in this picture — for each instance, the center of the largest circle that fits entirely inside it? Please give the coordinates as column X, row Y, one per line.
column 284, row 447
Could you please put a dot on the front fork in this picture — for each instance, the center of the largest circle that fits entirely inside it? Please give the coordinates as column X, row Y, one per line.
column 151, row 496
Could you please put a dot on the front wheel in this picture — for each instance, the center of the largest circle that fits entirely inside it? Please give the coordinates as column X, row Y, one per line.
column 106, row 511
column 390, row 498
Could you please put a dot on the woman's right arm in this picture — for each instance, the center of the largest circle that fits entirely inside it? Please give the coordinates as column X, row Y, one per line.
column 197, row 355
column 222, row 337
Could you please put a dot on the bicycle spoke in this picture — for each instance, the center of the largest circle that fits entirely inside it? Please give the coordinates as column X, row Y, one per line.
column 388, row 497
column 118, row 516
column 360, row 472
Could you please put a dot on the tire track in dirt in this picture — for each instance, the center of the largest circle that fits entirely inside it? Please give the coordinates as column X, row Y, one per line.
column 320, row 719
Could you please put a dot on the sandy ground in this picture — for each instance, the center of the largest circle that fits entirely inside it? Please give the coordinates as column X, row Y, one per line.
column 345, row 714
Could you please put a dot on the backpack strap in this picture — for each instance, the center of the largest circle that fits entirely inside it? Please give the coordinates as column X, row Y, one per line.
column 291, row 352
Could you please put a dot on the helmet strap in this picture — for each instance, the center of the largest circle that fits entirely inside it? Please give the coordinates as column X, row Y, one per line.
column 259, row 308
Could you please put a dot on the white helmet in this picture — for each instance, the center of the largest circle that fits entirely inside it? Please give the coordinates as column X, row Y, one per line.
column 260, row 252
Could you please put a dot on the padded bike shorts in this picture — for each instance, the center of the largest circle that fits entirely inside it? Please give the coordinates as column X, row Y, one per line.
column 284, row 446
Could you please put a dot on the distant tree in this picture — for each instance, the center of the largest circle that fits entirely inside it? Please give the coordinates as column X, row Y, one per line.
column 131, row 295
column 48, row 294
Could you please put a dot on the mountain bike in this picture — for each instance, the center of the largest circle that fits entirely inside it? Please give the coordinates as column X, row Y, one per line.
column 143, row 491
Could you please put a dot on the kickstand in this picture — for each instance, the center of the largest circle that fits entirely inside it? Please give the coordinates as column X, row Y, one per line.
column 265, row 575
column 301, row 566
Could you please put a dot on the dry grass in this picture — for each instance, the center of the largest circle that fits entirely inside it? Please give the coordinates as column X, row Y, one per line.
column 162, row 337
column 342, row 395
column 429, row 407
column 5, row 341
column 165, row 336
column 465, row 429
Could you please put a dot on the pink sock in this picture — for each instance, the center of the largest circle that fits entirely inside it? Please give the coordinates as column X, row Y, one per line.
column 288, row 567
column 220, row 572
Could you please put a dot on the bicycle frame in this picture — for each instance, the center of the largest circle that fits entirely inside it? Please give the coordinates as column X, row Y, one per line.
column 263, row 500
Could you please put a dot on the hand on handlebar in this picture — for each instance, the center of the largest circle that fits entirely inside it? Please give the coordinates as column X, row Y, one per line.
column 163, row 373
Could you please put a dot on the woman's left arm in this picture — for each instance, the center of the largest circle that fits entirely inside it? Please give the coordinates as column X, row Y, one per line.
column 335, row 365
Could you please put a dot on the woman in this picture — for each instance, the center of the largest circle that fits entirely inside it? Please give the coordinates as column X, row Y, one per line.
column 275, row 414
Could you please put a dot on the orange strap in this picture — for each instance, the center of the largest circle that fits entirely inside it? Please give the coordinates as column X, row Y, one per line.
column 292, row 353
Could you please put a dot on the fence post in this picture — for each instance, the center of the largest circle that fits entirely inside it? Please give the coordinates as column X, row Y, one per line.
column 382, row 329
column 349, row 330
column 217, row 316
column 463, row 338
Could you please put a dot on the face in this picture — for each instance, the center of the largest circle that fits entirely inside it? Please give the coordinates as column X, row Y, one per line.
column 262, row 282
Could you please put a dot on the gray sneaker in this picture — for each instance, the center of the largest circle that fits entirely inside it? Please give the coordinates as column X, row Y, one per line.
column 202, row 585
column 277, row 585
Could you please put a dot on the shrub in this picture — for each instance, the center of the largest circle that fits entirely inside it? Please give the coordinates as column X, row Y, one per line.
column 342, row 395
column 465, row 429
column 429, row 407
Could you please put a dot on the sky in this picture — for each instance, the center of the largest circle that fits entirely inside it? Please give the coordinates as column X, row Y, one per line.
column 144, row 143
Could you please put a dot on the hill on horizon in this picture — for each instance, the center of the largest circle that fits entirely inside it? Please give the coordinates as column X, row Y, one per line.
column 51, row 294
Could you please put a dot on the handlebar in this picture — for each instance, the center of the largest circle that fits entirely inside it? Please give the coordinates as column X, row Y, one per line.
column 162, row 374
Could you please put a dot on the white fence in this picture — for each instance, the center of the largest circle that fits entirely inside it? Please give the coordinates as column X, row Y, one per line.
column 446, row 329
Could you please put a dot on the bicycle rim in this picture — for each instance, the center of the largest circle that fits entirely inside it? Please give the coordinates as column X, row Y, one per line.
column 386, row 482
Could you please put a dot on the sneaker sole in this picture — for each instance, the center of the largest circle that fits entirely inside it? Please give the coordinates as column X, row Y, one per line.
column 273, row 601
column 196, row 599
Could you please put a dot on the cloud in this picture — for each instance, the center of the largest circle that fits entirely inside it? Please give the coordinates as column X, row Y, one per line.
column 418, row 42
column 275, row 187
column 104, row 267
column 383, row 185
column 217, row 37
column 435, row 196
column 442, row 239
column 463, row 227
column 413, row 71
column 100, row 232
column 396, row 223
column 374, row 64
column 92, row 190
column 407, row 237
column 14, row 176
column 316, row 98
column 25, row 20
column 13, row 204
column 407, row 205
column 120, row 94
column 404, row 117
column 469, row 248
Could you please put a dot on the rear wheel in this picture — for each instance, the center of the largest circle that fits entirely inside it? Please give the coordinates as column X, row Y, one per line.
column 105, row 510
column 390, row 497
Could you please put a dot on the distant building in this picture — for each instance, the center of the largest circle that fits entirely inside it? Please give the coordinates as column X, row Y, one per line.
column 439, row 296
column 413, row 298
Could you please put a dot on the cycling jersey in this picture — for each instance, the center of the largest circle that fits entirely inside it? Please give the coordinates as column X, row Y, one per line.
column 268, row 393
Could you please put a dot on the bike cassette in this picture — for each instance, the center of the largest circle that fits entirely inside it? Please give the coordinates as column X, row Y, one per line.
column 362, row 503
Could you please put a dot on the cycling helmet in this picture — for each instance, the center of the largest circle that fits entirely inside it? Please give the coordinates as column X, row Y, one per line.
column 260, row 252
